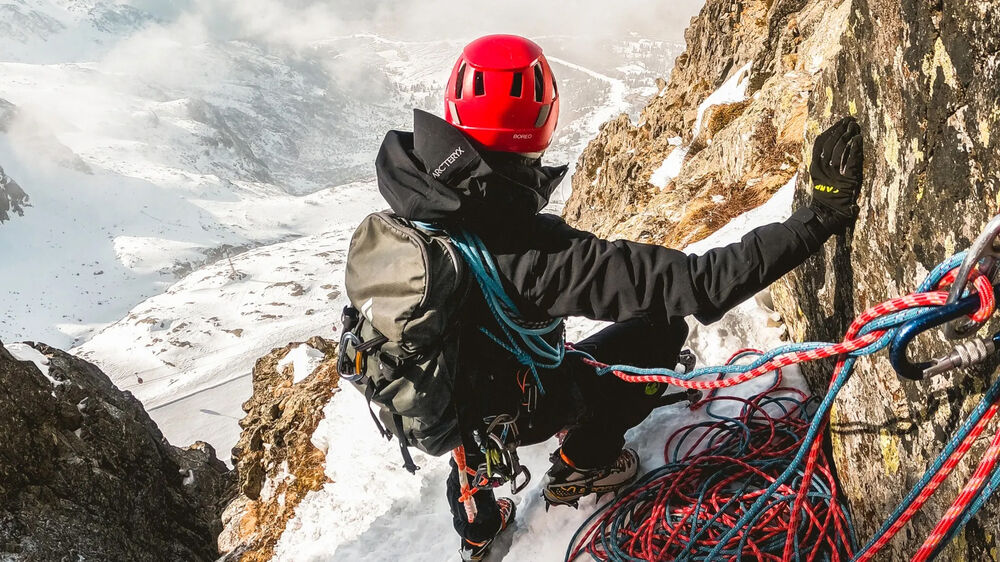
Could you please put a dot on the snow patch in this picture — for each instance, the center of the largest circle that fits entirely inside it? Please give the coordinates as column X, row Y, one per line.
column 731, row 91
column 670, row 168
column 305, row 359
column 271, row 484
column 24, row 352
column 777, row 208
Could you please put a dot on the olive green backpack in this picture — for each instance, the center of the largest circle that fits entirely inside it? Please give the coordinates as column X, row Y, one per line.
column 399, row 347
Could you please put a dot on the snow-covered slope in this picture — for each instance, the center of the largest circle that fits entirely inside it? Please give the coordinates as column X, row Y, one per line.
column 384, row 513
column 151, row 149
column 187, row 353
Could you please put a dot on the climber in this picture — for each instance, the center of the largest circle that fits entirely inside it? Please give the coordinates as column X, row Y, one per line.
column 480, row 168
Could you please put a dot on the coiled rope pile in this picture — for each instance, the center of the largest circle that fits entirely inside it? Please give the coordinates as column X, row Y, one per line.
column 715, row 470
column 761, row 487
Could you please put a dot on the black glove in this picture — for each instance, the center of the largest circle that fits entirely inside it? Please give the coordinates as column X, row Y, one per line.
column 837, row 167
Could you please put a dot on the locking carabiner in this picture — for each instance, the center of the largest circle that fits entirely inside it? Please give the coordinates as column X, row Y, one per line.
column 985, row 250
column 907, row 332
column 964, row 354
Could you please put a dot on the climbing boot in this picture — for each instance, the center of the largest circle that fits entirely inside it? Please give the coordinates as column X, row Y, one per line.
column 477, row 551
column 565, row 484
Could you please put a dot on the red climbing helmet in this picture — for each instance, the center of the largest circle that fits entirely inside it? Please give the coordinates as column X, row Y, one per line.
column 503, row 95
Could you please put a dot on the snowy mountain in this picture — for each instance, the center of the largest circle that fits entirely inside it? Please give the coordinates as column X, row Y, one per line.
column 151, row 149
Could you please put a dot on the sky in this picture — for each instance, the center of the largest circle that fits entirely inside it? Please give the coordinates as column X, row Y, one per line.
column 302, row 21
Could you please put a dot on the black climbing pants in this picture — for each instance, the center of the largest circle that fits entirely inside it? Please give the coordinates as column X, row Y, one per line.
column 596, row 431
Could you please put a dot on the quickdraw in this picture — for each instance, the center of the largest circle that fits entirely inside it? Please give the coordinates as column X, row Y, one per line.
column 498, row 442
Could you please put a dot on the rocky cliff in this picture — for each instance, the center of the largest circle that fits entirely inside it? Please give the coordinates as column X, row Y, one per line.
column 275, row 458
column 13, row 199
column 923, row 79
column 693, row 162
column 85, row 472
column 86, row 475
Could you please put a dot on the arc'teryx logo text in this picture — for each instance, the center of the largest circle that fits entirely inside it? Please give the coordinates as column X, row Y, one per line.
column 448, row 162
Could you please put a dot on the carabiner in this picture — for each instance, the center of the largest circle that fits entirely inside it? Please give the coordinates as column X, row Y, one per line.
column 907, row 332
column 984, row 249
column 350, row 367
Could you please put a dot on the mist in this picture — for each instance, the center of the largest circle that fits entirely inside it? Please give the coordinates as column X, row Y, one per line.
column 298, row 23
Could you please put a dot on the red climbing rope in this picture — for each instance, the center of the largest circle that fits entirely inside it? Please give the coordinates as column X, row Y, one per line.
column 850, row 344
column 715, row 465
column 715, row 470
column 968, row 493
column 931, row 487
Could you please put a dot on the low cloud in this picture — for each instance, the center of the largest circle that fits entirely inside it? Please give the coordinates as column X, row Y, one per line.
column 299, row 23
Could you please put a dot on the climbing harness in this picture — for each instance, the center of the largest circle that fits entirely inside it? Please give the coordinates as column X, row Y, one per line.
column 761, row 487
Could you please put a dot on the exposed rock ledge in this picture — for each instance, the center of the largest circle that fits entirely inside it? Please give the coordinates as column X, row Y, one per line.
column 85, row 474
column 275, row 458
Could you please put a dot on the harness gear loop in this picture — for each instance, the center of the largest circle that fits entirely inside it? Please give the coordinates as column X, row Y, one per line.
column 498, row 441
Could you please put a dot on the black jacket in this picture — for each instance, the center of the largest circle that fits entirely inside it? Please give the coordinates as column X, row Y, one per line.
column 552, row 270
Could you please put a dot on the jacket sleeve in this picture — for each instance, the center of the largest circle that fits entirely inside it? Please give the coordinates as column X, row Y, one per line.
column 574, row 273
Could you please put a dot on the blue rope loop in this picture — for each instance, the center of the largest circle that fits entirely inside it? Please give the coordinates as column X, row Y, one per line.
column 793, row 470
column 526, row 342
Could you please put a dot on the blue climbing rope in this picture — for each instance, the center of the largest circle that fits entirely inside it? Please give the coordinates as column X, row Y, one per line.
column 528, row 344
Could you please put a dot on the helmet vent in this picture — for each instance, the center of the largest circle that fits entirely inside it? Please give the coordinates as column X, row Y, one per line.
column 517, row 86
column 454, row 113
column 555, row 89
column 539, row 83
column 460, row 82
column 543, row 115
column 480, row 86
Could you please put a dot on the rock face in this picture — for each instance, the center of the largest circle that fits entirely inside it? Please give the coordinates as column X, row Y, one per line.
column 13, row 199
column 85, row 474
column 736, row 152
column 275, row 458
column 923, row 79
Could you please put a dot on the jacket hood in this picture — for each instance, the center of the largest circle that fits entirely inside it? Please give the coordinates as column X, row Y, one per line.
column 436, row 173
